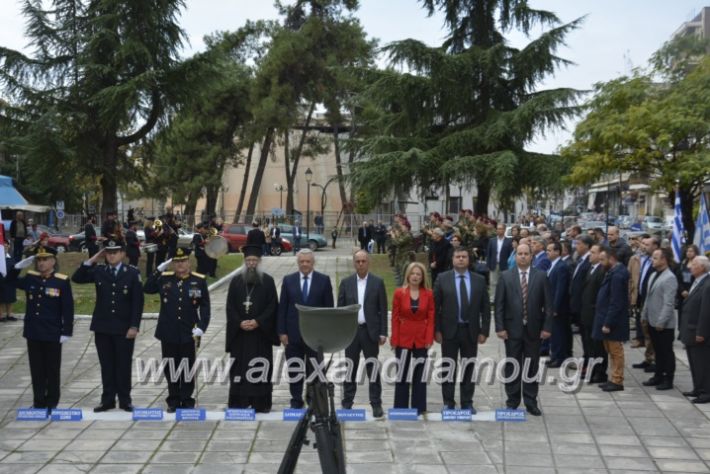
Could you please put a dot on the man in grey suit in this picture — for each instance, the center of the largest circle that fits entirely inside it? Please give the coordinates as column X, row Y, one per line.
column 695, row 329
column 368, row 291
column 523, row 319
column 462, row 321
column 659, row 313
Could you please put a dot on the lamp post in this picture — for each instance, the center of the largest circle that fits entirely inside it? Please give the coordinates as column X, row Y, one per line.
column 280, row 188
column 323, row 197
column 309, row 176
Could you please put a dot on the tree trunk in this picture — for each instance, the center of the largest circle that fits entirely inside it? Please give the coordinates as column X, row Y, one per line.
column 287, row 173
column 295, row 158
column 190, row 208
column 484, row 196
column 339, row 166
column 211, row 200
column 264, row 156
column 245, row 183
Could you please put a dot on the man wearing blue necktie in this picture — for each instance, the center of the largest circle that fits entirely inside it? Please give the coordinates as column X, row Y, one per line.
column 306, row 287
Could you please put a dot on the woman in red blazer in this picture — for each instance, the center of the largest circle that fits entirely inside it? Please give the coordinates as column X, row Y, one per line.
column 412, row 336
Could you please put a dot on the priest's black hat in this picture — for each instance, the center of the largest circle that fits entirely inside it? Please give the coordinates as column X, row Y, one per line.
column 252, row 251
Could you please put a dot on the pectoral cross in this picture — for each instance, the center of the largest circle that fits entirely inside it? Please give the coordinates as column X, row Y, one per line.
column 247, row 304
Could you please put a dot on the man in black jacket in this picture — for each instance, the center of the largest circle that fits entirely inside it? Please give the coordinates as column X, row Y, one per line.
column 368, row 291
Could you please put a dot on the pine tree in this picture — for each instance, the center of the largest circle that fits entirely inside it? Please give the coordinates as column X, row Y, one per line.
column 464, row 111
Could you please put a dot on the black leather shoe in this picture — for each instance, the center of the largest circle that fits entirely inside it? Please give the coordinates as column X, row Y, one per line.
column 650, row 369
column 533, row 410
column 555, row 364
column 102, row 408
column 346, row 405
column 377, row 411
column 702, row 399
column 665, row 385
column 692, row 393
column 128, row 408
column 598, row 379
column 297, row 404
column 652, row 382
column 469, row 407
column 641, row 365
column 613, row 387
column 511, row 406
column 171, row 409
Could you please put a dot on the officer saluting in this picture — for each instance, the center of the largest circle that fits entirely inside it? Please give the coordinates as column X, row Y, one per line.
column 184, row 314
column 116, row 319
column 49, row 320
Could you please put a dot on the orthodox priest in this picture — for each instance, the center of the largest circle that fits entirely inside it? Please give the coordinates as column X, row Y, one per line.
column 251, row 333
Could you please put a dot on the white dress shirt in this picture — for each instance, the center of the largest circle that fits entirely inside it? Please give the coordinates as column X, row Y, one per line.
column 361, row 285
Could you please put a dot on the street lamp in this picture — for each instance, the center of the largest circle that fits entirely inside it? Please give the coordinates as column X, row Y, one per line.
column 309, row 176
column 323, row 197
column 280, row 188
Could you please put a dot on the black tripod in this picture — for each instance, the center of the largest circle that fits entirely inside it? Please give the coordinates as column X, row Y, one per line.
column 325, row 425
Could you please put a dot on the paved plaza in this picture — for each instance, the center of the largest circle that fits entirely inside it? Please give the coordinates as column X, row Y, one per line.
column 639, row 429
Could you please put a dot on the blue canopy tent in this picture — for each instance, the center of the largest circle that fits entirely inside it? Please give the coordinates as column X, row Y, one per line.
column 10, row 198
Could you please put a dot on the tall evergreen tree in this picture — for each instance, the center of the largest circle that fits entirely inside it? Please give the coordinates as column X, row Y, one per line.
column 102, row 74
column 464, row 111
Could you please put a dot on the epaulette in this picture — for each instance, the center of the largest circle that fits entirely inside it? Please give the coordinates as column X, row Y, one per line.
column 198, row 275
column 61, row 276
column 167, row 274
column 34, row 272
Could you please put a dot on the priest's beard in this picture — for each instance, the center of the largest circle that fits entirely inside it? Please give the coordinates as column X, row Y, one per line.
column 252, row 276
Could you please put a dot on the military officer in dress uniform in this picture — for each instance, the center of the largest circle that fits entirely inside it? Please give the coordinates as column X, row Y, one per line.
column 116, row 319
column 184, row 315
column 49, row 320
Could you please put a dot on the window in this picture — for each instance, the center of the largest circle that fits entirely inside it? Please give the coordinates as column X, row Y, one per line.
column 454, row 205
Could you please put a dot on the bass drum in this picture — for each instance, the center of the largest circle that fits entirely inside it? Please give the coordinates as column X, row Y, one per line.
column 216, row 247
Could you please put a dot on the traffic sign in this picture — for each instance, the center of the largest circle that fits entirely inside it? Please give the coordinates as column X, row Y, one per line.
column 60, row 205
column 60, row 214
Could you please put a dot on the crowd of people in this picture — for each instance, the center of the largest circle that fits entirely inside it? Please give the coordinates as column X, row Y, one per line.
column 536, row 288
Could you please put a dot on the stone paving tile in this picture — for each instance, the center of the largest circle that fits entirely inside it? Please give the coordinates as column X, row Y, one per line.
column 630, row 464
column 19, row 468
column 668, row 465
column 672, row 453
column 65, row 468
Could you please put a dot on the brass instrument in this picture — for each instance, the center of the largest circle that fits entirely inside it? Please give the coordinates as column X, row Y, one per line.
column 216, row 245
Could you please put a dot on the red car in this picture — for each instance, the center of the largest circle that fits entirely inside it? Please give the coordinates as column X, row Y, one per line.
column 236, row 235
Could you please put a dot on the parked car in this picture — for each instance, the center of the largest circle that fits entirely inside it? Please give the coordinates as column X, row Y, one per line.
column 77, row 241
column 59, row 242
column 236, row 235
column 50, row 230
column 624, row 221
column 315, row 240
column 653, row 223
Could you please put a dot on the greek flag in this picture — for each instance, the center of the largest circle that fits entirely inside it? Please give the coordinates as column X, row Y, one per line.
column 677, row 240
column 702, row 227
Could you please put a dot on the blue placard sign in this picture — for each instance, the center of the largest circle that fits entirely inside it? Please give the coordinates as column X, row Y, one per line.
column 293, row 414
column 66, row 414
column 191, row 414
column 31, row 414
column 510, row 415
column 402, row 414
column 147, row 414
column 357, row 414
column 456, row 415
column 239, row 414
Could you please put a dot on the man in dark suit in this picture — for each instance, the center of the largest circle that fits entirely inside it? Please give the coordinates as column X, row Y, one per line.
column 523, row 318
column 579, row 275
column 497, row 254
column 115, row 322
column 462, row 321
column 364, row 235
column 695, row 329
column 559, row 276
column 90, row 236
column 590, row 289
column 256, row 236
column 368, row 291
column 540, row 260
column 309, row 288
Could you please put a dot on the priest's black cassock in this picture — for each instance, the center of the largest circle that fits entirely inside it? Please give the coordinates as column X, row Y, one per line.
column 256, row 301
